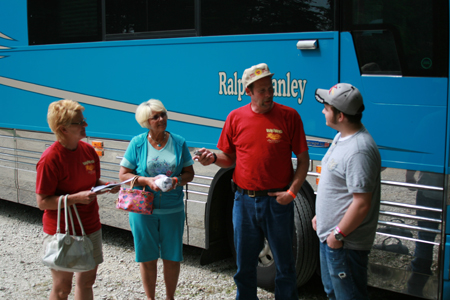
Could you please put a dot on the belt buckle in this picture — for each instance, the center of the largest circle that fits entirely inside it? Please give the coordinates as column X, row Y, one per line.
column 251, row 194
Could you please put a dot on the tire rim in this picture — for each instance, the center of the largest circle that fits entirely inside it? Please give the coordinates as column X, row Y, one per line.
column 265, row 256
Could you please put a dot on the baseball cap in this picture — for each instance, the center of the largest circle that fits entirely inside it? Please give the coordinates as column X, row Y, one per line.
column 345, row 97
column 255, row 73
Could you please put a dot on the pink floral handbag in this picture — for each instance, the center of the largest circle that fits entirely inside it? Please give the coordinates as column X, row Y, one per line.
column 137, row 201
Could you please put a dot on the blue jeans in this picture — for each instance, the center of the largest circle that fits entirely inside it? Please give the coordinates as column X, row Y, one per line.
column 254, row 219
column 344, row 272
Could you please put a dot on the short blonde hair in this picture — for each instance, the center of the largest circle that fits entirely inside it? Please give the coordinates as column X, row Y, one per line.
column 145, row 111
column 61, row 113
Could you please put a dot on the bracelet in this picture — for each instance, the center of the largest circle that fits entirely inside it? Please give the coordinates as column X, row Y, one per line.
column 339, row 230
column 215, row 158
column 176, row 180
column 291, row 193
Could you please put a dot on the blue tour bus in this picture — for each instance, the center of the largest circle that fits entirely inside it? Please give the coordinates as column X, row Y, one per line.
column 111, row 55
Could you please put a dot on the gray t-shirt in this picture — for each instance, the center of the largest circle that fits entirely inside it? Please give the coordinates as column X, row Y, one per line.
column 350, row 166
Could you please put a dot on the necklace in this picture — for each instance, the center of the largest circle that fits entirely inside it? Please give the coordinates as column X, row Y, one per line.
column 158, row 144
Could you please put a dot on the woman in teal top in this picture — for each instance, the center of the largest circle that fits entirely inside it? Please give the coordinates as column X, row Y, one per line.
column 153, row 153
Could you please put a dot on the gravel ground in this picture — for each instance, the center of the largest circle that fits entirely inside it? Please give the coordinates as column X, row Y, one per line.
column 23, row 276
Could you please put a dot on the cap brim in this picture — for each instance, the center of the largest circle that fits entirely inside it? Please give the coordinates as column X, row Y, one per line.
column 321, row 96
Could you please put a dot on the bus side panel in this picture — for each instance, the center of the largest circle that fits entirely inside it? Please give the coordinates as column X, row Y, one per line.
column 14, row 24
column 117, row 76
column 385, row 99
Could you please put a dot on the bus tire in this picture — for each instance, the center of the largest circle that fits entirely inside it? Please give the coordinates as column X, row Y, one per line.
column 306, row 243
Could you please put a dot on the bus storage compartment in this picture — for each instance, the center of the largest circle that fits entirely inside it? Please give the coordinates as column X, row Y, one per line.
column 30, row 146
column 405, row 254
column 8, row 189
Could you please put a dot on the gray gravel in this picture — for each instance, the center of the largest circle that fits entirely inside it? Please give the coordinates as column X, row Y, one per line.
column 23, row 276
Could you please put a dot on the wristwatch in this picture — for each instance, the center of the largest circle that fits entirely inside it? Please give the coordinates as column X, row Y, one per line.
column 338, row 235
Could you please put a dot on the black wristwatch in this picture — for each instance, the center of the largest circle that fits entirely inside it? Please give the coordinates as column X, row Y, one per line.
column 338, row 235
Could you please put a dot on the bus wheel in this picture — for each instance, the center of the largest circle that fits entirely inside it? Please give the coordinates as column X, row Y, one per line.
column 305, row 246
column 306, row 242
column 266, row 269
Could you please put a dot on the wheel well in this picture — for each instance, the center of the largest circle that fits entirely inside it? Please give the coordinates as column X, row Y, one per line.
column 216, row 236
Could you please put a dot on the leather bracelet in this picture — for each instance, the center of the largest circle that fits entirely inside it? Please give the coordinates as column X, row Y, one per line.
column 291, row 193
column 339, row 230
column 215, row 158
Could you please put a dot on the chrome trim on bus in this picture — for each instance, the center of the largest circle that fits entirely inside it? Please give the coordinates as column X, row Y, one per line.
column 407, row 238
column 407, row 216
column 7, row 154
column 412, row 185
column 405, row 205
column 110, row 164
column 193, row 201
column 200, row 184
column 412, row 227
column 196, row 193
column 203, row 177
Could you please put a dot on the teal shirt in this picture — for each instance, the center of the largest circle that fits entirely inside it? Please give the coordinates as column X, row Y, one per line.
column 136, row 157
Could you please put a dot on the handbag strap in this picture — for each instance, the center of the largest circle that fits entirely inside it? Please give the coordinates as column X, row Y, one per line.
column 71, row 219
column 58, row 229
column 135, row 178
column 79, row 220
column 65, row 214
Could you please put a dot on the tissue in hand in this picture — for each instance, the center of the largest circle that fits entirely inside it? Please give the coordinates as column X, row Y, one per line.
column 163, row 182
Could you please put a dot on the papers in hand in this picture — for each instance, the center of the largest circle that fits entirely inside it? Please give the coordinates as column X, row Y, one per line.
column 99, row 188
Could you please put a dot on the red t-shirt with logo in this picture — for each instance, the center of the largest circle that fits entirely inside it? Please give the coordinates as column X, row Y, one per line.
column 61, row 171
column 263, row 144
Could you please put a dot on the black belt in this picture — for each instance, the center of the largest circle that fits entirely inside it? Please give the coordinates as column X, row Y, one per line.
column 259, row 193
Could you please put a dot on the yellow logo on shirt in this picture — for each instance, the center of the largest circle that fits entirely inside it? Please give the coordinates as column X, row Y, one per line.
column 274, row 135
column 90, row 166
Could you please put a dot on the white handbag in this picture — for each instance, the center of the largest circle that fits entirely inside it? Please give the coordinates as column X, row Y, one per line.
column 70, row 253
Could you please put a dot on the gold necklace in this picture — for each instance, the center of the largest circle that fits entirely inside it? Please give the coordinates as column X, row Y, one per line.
column 158, row 144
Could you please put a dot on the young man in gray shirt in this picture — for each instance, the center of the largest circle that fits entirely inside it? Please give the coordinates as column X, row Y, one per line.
column 348, row 195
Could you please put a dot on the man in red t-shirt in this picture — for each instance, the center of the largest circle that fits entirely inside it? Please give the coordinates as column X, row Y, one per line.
column 260, row 138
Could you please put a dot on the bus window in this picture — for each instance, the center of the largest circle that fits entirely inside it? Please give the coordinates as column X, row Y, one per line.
column 405, row 37
column 377, row 52
column 63, row 21
column 220, row 17
column 149, row 19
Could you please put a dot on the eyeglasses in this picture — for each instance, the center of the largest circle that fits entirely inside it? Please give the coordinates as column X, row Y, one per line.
column 80, row 123
column 161, row 115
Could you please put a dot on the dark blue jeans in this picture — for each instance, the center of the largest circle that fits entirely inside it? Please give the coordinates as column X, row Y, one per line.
column 254, row 219
column 344, row 273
